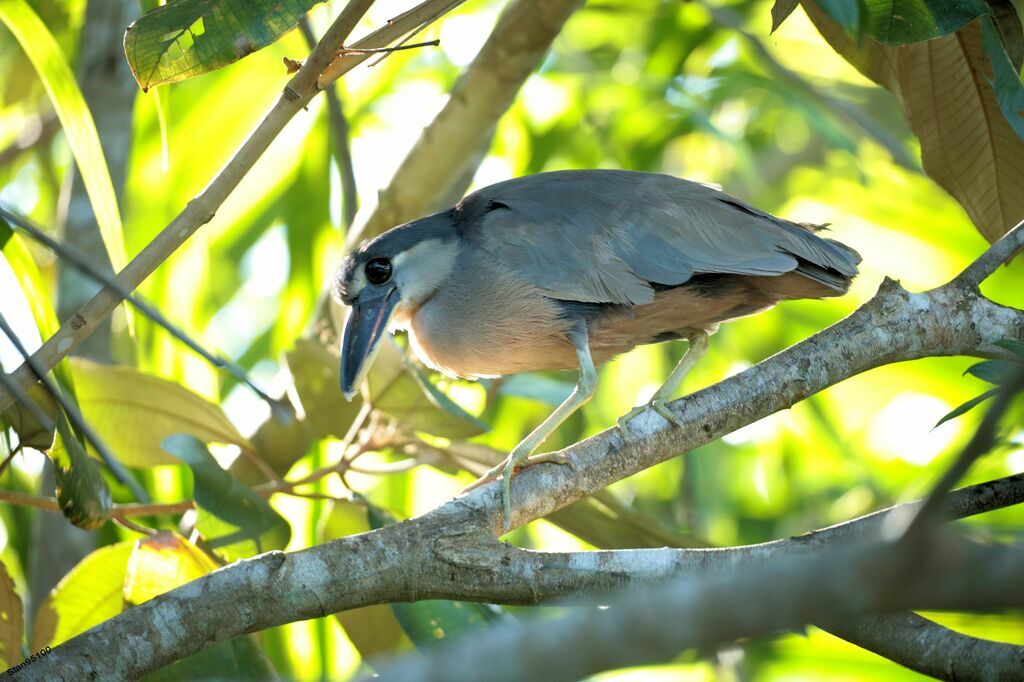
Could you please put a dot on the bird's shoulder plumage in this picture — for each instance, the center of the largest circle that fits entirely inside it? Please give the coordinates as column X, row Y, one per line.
column 606, row 236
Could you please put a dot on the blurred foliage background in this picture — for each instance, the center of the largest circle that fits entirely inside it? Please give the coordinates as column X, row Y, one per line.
column 698, row 90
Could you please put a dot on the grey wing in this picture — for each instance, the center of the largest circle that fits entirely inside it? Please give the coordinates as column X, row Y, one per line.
column 606, row 236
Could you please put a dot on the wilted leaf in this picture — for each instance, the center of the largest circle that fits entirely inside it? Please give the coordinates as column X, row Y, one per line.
column 82, row 493
column 133, row 412
column 401, row 391
column 12, row 620
column 160, row 563
column 373, row 630
column 898, row 22
column 186, row 38
column 431, row 620
column 89, row 594
column 236, row 521
column 315, row 370
column 1007, row 84
column 59, row 81
column 942, row 85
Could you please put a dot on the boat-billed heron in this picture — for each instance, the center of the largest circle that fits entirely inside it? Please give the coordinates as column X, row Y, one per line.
column 564, row 270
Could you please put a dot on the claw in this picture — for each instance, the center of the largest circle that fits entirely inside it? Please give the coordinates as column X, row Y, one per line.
column 659, row 405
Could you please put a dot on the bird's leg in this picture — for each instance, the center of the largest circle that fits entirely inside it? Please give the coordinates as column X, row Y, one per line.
column 521, row 453
column 698, row 346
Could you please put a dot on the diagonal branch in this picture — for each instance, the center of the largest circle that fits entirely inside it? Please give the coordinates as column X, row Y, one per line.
column 483, row 93
column 452, row 552
column 309, row 80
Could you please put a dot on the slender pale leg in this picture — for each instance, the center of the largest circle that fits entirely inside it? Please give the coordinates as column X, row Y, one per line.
column 698, row 346
column 521, row 453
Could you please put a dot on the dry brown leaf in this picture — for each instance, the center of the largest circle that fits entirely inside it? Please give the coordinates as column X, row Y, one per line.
column 942, row 85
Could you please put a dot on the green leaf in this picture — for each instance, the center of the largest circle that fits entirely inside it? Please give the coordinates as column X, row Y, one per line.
column 59, row 81
column 781, row 11
column 239, row 659
column 899, row 22
column 993, row 371
column 966, row 407
column 1012, row 346
column 537, row 387
column 315, row 370
column 12, row 620
column 1007, row 83
column 401, row 390
column 160, row 563
column 236, row 521
column 82, row 493
column 187, row 38
column 88, row 595
column 846, row 13
column 133, row 412
column 19, row 258
column 431, row 620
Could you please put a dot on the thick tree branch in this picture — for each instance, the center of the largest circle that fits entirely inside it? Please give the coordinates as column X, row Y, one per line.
column 642, row 626
column 310, row 79
column 452, row 551
column 931, row 649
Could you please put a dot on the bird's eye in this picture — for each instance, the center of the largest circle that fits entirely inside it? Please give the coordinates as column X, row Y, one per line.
column 378, row 270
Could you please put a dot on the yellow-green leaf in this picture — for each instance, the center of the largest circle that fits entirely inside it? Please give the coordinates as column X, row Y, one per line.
column 12, row 620
column 160, row 563
column 59, row 81
column 88, row 595
column 187, row 38
column 133, row 412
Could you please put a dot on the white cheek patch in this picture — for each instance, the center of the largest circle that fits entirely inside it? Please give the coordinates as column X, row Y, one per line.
column 357, row 284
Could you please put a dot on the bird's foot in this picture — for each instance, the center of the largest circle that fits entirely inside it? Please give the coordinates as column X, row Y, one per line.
column 659, row 405
column 519, row 457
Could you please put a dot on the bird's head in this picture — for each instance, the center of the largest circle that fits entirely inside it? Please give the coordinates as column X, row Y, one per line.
column 387, row 279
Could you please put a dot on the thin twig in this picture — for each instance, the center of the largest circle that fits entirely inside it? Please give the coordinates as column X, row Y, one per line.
column 119, row 510
column 375, row 50
column 318, row 71
column 340, row 136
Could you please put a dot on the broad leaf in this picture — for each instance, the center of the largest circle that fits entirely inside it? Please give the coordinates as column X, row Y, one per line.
column 88, row 595
column 315, row 370
column 31, row 433
column 1007, row 84
column 849, row 14
column 942, row 85
column 899, row 22
column 160, row 563
column 186, row 38
column 236, row 521
column 12, row 620
column 994, row 371
column 1015, row 347
column 59, row 81
column 400, row 390
column 133, row 412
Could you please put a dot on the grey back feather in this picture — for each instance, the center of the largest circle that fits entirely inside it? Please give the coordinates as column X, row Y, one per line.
column 604, row 236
